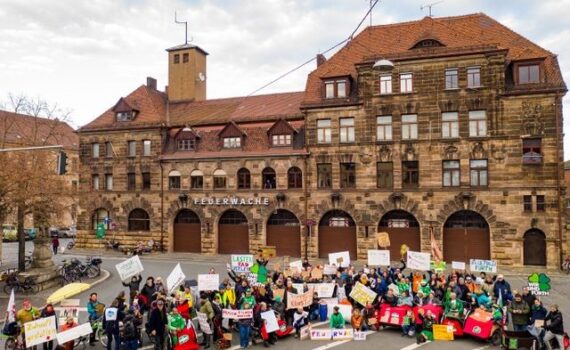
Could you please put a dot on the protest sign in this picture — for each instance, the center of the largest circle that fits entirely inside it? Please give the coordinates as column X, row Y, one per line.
column 324, row 290
column 299, row 287
column 438, row 266
column 40, row 331
column 316, row 274
column 299, row 300
column 362, row 294
column 237, row 314
column 241, row 263
column 204, row 324
column 279, row 292
column 270, row 321
column 483, row 265
column 320, row 334
column 383, row 239
column 251, row 278
column 378, row 257
column 341, row 259
column 330, row 270
column 208, row 282
column 268, row 252
column 345, row 310
column 342, row 334
column 74, row 333
column 458, row 265
column 418, row 261
column 359, row 336
column 305, row 334
column 296, row 265
column 175, row 278
column 442, row 332
column 129, row 268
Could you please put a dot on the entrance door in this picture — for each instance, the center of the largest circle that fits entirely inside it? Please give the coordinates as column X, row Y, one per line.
column 187, row 232
column 402, row 228
column 284, row 233
column 337, row 233
column 535, row 247
column 466, row 236
column 233, row 233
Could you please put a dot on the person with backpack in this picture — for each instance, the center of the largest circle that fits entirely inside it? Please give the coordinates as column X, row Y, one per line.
column 157, row 324
column 134, row 286
column 130, row 333
column 111, row 319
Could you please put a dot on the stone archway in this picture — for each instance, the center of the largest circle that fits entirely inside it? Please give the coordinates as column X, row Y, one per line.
column 402, row 228
column 466, row 236
column 233, row 233
column 337, row 233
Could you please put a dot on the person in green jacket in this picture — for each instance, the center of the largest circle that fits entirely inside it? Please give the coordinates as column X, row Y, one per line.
column 248, row 298
column 175, row 323
column 454, row 307
column 336, row 320
column 519, row 310
column 206, row 308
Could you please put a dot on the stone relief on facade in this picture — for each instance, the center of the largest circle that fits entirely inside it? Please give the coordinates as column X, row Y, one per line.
column 532, row 123
column 499, row 152
column 385, row 154
column 478, row 151
column 409, row 153
column 450, row 152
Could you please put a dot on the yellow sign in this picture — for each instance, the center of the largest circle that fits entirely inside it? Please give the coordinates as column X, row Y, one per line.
column 362, row 294
column 442, row 332
column 383, row 239
column 404, row 249
column 268, row 252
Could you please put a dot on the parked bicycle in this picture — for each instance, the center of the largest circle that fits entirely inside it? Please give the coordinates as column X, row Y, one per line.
column 29, row 260
column 566, row 265
column 12, row 337
column 70, row 244
column 18, row 284
column 69, row 272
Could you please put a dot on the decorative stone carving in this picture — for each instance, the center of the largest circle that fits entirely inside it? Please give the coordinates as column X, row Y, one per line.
column 478, row 151
column 532, row 123
column 385, row 154
column 499, row 153
column 346, row 158
column 365, row 157
column 450, row 152
column 409, row 153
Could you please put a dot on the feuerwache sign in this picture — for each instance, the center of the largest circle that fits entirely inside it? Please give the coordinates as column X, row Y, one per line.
column 231, row 201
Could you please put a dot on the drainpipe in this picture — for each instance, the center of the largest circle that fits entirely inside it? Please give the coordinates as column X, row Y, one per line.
column 557, row 107
column 161, row 207
column 306, row 192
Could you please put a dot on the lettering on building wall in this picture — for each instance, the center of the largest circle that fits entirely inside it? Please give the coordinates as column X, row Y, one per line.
column 231, row 201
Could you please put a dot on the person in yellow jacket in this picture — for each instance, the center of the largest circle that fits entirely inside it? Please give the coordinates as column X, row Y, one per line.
column 229, row 297
column 187, row 294
column 26, row 314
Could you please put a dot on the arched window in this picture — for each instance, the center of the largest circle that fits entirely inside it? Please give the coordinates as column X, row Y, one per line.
column 269, row 179
column 219, row 179
column 337, row 218
column 139, row 220
column 187, row 216
column 243, row 179
column 294, row 178
column 196, row 179
column 233, row 217
column 398, row 219
column 174, row 180
column 284, row 218
column 98, row 217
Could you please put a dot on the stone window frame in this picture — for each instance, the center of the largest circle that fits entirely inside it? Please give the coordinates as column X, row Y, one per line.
column 451, row 80
column 146, row 185
column 95, row 182
column 475, row 123
column 410, row 126
column 347, row 132
column 532, row 151
column 269, row 178
column 295, row 177
column 386, row 84
column 174, row 180
column 95, row 150
column 243, row 179
column 324, row 175
column 220, row 179
column 131, row 181
column 381, row 124
column 196, row 179
column 332, row 90
column 143, row 220
column 386, row 175
column 108, row 149
column 410, row 174
column 406, row 83
column 473, row 76
column 324, row 132
column 450, row 125
column 452, row 173
column 347, row 174
column 131, row 148
column 478, row 170
column 527, row 203
column 108, row 182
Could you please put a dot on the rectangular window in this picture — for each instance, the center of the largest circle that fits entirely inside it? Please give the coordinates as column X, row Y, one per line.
column 219, row 181
column 95, row 150
column 384, row 174
column 532, row 151
column 187, row 145
column 232, row 142
column 451, row 79
column 174, row 182
column 176, row 58
column 281, row 140
column 108, row 149
column 324, row 131
column 529, row 74
column 384, row 128
column 95, row 182
column 346, row 130
column 409, row 127
column 406, row 82
column 197, row 181
column 477, row 123
column 109, row 182
column 146, row 181
column 451, row 177
column 132, row 148
column 527, row 204
column 449, row 125
column 473, row 77
column 479, row 173
column 131, row 181
column 341, row 88
column 146, row 148
column 185, row 58
column 385, row 84
column 540, row 203
column 347, row 175
column 336, row 88
column 410, row 174
column 324, row 175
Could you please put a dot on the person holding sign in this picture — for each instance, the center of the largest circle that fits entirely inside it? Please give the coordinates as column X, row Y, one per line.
column 454, row 307
column 244, row 328
column 48, row 311
column 69, row 323
column 26, row 314
column 134, row 286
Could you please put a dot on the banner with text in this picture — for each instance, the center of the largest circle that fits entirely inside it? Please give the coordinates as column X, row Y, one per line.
column 418, row 261
column 208, row 282
column 129, row 268
column 378, row 257
column 299, row 300
column 237, row 314
column 175, row 279
column 362, row 294
column 40, row 331
column 341, row 259
column 241, row 263
column 483, row 265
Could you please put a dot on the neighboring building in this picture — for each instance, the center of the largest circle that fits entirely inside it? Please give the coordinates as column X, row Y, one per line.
column 444, row 125
column 20, row 130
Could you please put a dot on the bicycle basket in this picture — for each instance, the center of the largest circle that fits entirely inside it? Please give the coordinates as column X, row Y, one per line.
column 10, row 329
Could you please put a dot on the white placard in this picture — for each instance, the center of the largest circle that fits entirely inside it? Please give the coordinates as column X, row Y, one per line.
column 378, row 257
column 74, row 333
column 242, row 263
column 418, row 261
column 320, row 334
column 342, row 334
column 296, row 265
column 271, row 324
column 359, row 336
column 237, row 314
column 345, row 311
column 324, row 290
column 458, row 265
column 208, row 282
column 330, row 270
column 129, row 268
column 175, row 279
column 40, row 331
column 204, row 324
column 341, row 259
column 483, row 265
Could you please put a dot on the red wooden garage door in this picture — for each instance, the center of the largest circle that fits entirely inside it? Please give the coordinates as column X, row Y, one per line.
column 403, row 228
column 187, row 232
column 233, row 233
column 337, row 233
column 535, row 248
column 465, row 237
column 284, row 233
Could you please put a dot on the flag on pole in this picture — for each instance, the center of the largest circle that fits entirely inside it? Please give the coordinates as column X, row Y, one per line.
column 435, row 251
column 11, row 309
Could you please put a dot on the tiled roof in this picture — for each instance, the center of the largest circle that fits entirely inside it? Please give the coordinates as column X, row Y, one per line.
column 28, row 130
column 151, row 107
column 453, row 32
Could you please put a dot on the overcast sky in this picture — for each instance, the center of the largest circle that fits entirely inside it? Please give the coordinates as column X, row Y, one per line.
column 85, row 54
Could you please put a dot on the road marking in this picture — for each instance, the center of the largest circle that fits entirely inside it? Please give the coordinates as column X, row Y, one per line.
column 415, row 346
column 483, row 347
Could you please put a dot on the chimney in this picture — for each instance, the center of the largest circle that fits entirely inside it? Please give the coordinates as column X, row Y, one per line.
column 151, row 83
column 321, row 59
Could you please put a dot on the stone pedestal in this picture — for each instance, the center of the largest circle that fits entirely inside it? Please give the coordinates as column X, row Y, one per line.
column 43, row 269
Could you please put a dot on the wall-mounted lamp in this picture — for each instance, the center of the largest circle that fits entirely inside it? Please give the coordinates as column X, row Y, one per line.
column 335, row 198
column 183, row 198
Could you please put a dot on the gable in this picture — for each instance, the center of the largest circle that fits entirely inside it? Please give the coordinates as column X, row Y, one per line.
column 231, row 130
column 281, row 127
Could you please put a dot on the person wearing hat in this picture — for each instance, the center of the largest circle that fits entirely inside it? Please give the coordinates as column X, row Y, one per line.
column 69, row 323
column 247, row 298
column 554, row 327
column 48, row 311
column 519, row 310
column 502, row 289
column 336, row 319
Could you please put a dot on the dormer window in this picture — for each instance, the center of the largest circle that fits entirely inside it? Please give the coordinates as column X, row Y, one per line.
column 231, row 136
column 281, row 140
column 426, row 43
column 187, row 145
column 528, row 73
column 232, row 142
column 125, row 116
column 336, row 88
column 124, row 112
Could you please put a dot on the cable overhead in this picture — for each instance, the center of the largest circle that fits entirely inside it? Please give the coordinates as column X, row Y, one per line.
column 324, row 52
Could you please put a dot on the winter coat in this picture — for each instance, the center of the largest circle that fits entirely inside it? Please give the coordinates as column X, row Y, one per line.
column 556, row 324
column 521, row 317
column 336, row 321
column 537, row 312
column 502, row 288
column 206, row 308
column 157, row 321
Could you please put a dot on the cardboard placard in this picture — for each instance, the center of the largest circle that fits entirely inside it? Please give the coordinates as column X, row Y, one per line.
column 316, row 273
column 320, row 334
column 271, row 324
column 442, row 332
column 330, row 270
column 296, row 265
column 418, row 261
column 343, row 334
column 242, row 263
column 40, row 331
column 305, row 334
column 237, row 314
column 383, row 239
column 458, row 265
column 378, row 257
column 341, row 259
column 204, row 324
column 74, row 333
column 359, row 336
column 129, row 268
column 362, row 294
column 176, row 278
column 478, row 265
column 268, row 252
column 295, row 301
column 208, row 282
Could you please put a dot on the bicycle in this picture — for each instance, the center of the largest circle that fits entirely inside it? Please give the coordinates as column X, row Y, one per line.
column 28, row 285
column 14, row 340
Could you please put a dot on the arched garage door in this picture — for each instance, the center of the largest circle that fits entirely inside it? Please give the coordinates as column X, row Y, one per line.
column 284, row 233
column 187, row 232
column 465, row 237
column 403, row 228
column 337, row 233
column 535, row 247
column 233, row 233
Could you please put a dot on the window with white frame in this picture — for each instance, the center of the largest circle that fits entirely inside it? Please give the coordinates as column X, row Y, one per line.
column 95, row 150
column 186, row 144
column 281, row 140
column 346, row 130
column 451, row 79
column 132, row 148
column 232, row 142
column 451, row 173
column 406, row 81
column 385, row 84
column 109, row 182
column 336, row 88
column 384, row 128
column 449, row 125
column 477, row 123
column 324, row 131
column 474, row 77
column 409, row 126
column 146, row 148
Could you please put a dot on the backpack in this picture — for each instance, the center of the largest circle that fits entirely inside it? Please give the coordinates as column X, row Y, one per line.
column 130, row 331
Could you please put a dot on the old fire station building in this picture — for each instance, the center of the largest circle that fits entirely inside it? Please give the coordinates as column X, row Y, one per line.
column 445, row 125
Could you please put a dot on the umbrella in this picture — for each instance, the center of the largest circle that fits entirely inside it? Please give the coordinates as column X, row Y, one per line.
column 67, row 291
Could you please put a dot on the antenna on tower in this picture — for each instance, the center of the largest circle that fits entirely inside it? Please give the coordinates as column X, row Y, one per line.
column 185, row 27
column 429, row 6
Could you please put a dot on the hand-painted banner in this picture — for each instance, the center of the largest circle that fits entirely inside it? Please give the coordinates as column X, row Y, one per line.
column 342, row 334
column 241, row 263
column 74, row 333
column 418, row 261
column 330, row 270
column 362, row 294
column 442, row 332
column 458, row 265
column 175, row 278
column 324, row 290
column 40, row 331
column 378, row 257
column 129, row 268
column 483, row 265
column 320, row 334
column 237, row 314
column 299, row 300
column 341, row 259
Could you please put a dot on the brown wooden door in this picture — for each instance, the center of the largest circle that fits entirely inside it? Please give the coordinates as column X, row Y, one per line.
column 463, row 244
column 187, row 238
column 286, row 239
column 409, row 236
column 337, row 239
column 233, row 239
column 535, row 248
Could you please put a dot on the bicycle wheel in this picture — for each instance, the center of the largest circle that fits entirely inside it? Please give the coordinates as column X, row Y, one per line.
column 79, row 343
column 93, row 272
column 102, row 337
column 10, row 344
